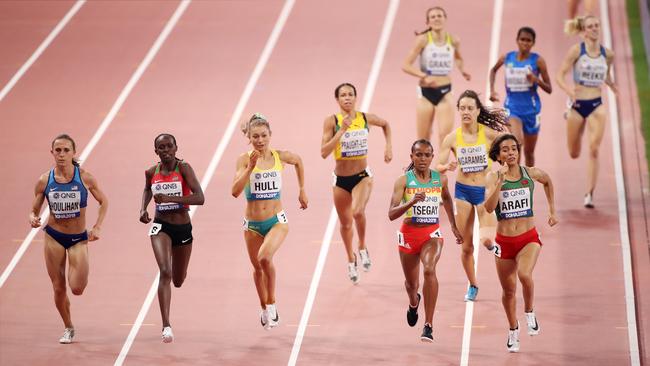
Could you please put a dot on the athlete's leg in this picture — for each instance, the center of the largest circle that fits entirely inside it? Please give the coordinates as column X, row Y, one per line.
column 343, row 204
column 445, row 117
column 272, row 242
column 465, row 223
column 360, row 197
column 162, row 249
column 596, row 129
column 530, row 141
column 430, row 255
column 487, row 226
column 55, row 256
column 411, row 268
column 516, row 128
column 180, row 260
column 575, row 127
column 78, row 267
column 253, row 244
column 507, row 271
column 424, row 113
column 526, row 260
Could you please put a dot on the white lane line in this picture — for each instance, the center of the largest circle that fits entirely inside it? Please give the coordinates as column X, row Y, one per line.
column 101, row 129
column 622, row 204
column 469, row 306
column 46, row 42
column 331, row 224
column 212, row 166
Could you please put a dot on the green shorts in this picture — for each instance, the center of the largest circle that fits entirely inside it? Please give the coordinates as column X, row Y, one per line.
column 263, row 227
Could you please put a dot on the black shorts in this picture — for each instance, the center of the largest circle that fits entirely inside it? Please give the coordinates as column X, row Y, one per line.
column 180, row 234
column 349, row 182
column 435, row 95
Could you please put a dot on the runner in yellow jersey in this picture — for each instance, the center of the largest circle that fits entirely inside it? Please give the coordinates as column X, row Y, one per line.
column 346, row 135
column 470, row 143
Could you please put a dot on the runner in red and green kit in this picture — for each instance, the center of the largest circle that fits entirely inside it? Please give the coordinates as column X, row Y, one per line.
column 510, row 194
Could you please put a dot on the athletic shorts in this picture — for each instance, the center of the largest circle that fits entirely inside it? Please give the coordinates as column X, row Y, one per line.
column 472, row 194
column 410, row 238
column 510, row 246
column 181, row 234
column 349, row 182
column 66, row 240
column 585, row 107
column 435, row 95
column 263, row 227
column 529, row 122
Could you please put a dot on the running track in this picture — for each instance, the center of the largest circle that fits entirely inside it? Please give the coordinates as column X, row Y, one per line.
column 191, row 88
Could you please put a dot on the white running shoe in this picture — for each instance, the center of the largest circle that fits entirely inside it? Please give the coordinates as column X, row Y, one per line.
column 167, row 335
column 67, row 336
column 589, row 200
column 365, row 259
column 264, row 319
column 513, row 340
column 353, row 274
column 533, row 325
column 273, row 317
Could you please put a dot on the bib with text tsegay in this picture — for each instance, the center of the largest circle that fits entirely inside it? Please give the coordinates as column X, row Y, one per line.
column 516, row 198
column 354, row 142
column 427, row 211
column 265, row 184
column 437, row 60
column 169, row 185
column 472, row 158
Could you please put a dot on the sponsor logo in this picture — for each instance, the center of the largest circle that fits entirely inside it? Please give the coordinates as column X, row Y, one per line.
column 76, row 239
column 186, row 240
column 53, row 189
column 462, row 150
column 505, row 194
column 56, row 196
column 258, row 175
column 412, row 183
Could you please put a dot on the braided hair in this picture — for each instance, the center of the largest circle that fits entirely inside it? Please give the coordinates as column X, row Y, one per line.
column 494, row 118
column 421, row 142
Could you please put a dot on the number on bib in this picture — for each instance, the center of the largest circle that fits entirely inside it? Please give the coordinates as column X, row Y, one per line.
column 400, row 239
column 282, row 218
column 155, row 229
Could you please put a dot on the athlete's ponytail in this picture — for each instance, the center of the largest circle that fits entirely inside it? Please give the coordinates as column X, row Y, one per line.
column 421, row 142
column 576, row 25
column 65, row 136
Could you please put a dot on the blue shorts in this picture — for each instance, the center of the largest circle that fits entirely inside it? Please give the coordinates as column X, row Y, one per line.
column 586, row 107
column 529, row 122
column 263, row 227
column 472, row 194
column 66, row 240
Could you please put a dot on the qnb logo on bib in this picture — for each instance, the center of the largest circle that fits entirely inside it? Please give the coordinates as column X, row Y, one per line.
column 65, row 204
column 516, row 79
column 174, row 189
column 266, row 185
column 472, row 158
column 426, row 212
column 354, row 143
column 515, row 203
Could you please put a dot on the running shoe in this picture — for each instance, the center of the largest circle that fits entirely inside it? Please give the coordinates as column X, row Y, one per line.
column 533, row 325
column 412, row 313
column 365, row 259
column 67, row 336
column 264, row 319
column 167, row 335
column 353, row 274
column 274, row 318
column 589, row 200
column 427, row 333
column 513, row 339
column 472, row 291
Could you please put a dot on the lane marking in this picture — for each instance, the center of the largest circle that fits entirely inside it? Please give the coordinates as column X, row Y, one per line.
column 626, row 255
column 212, row 166
column 43, row 46
column 469, row 305
column 331, row 224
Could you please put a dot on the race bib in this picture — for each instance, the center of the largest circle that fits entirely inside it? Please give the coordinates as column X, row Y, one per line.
column 65, row 204
column 354, row 143
column 516, row 79
column 472, row 158
column 174, row 189
column 265, row 185
column 426, row 212
column 515, row 203
column 155, row 228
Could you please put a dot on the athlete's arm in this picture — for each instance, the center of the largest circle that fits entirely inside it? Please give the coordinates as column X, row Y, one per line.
column 545, row 81
column 542, row 177
column 245, row 166
column 330, row 139
column 566, row 66
column 37, row 203
column 458, row 59
column 196, row 197
column 100, row 197
column 407, row 66
column 449, row 208
column 295, row 160
column 396, row 209
column 443, row 156
column 493, row 72
column 608, row 79
column 146, row 195
column 385, row 126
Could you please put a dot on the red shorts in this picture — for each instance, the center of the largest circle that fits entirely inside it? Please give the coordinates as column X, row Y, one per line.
column 410, row 238
column 510, row 246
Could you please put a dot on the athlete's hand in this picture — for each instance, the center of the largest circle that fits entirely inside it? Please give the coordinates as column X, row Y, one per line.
column 552, row 220
column 252, row 159
column 494, row 97
column 93, row 234
column 144, row 217
column 418, row 197
column 388, row 154
column 501, row 174
column 531, row 77
column 459, row 237
column 34, row 221
column 302, row 197
column 346, row 123
column 451, row 166
column 467, row 76
column 429, row 81
column 161, row 198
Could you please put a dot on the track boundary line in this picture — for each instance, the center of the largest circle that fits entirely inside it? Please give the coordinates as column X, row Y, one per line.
column 331, row 224
column 214, row 162
column 495, row 37
column 41, row 48
column 626, row 255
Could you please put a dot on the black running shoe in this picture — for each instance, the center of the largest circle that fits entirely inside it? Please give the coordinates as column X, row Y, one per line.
column 412, row 313
column 427, row 334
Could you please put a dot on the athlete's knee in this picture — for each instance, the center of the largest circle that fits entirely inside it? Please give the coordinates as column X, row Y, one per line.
column 468, row 249
column 411, row 285
column 509, row 293
column 178, row 280
column 358, row 213
column 264, row 260
column 429, row 272
column 77, row 290
column 59, row 288
column 593, row 150
column 165, row 275
column 346, row 225
column 574, row 153
column 526, row 278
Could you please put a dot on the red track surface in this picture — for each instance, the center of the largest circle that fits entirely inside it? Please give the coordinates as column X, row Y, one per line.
column 191, row 89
